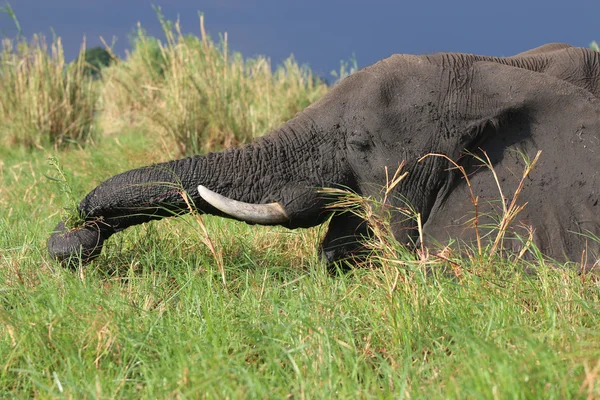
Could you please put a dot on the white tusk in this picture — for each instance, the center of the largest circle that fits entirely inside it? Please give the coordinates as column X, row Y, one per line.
column 266, row 214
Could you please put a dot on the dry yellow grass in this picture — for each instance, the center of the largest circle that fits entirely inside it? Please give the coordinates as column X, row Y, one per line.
column 44, row 101
column 198, row 96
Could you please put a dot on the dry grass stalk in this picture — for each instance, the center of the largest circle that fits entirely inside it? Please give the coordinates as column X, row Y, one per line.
column 377, row 214
column 509, row 213
column 206, row 239
column 474, row 199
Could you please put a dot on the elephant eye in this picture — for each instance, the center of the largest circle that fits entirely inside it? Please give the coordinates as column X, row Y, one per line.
column 361, row 144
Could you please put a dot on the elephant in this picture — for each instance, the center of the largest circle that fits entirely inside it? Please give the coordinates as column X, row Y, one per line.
column 396, row 111
column 545, row 48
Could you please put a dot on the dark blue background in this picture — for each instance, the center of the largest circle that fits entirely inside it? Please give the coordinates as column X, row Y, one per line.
column 321, row 32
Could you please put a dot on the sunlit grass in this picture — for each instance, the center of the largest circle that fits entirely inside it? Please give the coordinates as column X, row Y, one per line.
column 200, row 96
column 193, row 93
column 44, row 101
column 152, row 318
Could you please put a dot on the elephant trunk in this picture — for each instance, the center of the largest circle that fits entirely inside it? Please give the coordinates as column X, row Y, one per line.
column 265, row 174
column 144, row 194
column 129, row 198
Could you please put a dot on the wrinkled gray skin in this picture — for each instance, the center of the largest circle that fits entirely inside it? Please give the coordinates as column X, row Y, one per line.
column 401, row 108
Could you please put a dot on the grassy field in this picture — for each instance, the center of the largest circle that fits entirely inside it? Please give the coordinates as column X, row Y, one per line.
column 151, row 318
column 160, row 315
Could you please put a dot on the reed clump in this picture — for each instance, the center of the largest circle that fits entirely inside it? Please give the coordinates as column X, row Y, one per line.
column 197, row 95
column 44, row 101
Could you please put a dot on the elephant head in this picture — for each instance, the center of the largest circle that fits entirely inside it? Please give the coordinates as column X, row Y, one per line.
column 397, row 110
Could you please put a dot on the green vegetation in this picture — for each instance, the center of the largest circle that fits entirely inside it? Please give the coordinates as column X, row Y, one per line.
column 97, row 58
column 206, row 307
column 71, row 213
column 192, row 93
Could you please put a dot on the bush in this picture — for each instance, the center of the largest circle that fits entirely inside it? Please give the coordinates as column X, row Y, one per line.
column 96, row 58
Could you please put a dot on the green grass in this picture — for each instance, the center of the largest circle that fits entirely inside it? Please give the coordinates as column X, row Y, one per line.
column 151, row 317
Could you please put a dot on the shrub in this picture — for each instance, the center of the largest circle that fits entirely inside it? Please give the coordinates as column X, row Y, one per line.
column 96, row 58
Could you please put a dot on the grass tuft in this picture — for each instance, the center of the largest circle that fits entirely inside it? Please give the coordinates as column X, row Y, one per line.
column 43, row 100
column 192, row 93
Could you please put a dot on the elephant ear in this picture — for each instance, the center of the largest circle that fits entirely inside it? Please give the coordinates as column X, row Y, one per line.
column 514, row 88
column 502, row 93
column 561, row 195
